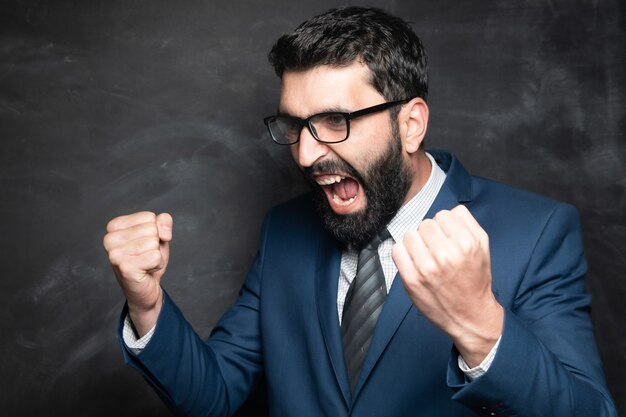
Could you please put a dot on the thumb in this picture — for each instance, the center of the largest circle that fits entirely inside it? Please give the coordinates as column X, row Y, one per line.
column 165, row 223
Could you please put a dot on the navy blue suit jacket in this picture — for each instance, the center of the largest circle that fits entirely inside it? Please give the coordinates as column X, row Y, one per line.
column 284, row 326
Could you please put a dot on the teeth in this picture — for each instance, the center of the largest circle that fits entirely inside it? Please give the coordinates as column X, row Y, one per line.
column 330, row 180
column 341, row 202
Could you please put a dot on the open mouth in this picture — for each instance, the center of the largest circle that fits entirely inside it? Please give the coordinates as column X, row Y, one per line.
column 340, row 189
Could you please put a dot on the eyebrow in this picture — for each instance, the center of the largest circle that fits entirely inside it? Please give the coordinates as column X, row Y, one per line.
column 335, row 109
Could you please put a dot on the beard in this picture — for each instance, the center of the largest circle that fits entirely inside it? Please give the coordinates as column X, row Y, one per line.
column 385, row 183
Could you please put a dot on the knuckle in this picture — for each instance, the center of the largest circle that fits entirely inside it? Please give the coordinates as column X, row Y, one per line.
column 410, row 283
column 112, row 225
column 427, row 268
column 442, row 215
column 151, row 229
column 142, row 231
column 143, row 244
column 410, row 277
column 427, row 225
column 154, row 259
column 429, row 222
column 410, row 236
column 424, row 282
column 152, row 242
column 444, row 260
column 460, row 210
column 130, row 220
column 148, row 216
column 413, row 233
column 106, row 241
column 465, row 243
column 126, row 271
column 115, row 257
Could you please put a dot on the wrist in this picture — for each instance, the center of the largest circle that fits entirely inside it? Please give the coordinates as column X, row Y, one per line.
column 143, row 317
column 476, row 340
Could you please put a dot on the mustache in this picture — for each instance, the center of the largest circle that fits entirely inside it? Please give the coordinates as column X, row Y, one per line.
column 332, row 166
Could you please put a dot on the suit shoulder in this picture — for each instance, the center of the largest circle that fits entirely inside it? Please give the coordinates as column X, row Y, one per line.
column 513, row 198
column 499, row 206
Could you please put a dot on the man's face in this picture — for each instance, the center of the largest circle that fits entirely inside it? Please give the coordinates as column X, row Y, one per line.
column 360, row 183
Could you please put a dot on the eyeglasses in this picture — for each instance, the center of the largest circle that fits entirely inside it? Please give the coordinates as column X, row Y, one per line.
column 327, row 127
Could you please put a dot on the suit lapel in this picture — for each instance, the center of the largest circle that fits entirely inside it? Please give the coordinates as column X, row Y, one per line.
column 328, row 264
column 456, row 189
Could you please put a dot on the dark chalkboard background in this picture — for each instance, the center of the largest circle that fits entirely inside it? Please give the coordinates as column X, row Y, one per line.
column 108, row 107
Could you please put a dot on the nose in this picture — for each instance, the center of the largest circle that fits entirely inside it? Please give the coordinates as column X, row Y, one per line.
column 308, row 150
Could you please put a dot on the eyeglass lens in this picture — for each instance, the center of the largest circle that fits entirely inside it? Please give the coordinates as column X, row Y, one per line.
column 328, row 127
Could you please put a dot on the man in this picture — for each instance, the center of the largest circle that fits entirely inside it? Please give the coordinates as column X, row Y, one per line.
column 479, row 308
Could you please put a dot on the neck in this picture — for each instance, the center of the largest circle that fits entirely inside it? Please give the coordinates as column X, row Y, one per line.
column 422, row 169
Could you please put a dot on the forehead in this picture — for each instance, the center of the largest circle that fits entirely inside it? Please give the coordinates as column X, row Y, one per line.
column 325, row 88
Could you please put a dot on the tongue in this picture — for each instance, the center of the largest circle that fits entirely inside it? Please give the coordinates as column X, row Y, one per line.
column 346, row 189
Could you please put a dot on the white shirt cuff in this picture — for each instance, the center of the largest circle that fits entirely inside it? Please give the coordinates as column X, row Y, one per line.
column 483, row 367
column 134, row 344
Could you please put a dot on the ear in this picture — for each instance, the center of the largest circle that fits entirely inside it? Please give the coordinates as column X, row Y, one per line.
column 413, row 122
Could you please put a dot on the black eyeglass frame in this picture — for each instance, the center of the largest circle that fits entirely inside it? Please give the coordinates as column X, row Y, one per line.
column 302, row 123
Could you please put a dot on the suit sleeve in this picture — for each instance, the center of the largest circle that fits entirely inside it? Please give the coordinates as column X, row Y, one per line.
column 197, row 378
column 547, row 363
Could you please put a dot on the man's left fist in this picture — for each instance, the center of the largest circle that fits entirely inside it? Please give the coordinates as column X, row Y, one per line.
column 446, row 269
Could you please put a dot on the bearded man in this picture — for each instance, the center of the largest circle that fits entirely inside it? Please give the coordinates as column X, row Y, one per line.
column 400, row 286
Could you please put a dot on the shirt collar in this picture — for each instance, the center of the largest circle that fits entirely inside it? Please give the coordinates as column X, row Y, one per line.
column 410, row 215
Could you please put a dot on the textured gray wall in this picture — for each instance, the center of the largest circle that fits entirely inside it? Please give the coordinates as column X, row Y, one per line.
column 115, row 106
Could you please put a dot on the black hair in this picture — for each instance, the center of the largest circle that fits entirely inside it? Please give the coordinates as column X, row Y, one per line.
column 386, row 44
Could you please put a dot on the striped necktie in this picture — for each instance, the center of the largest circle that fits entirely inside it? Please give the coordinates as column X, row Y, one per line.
column 363, row 305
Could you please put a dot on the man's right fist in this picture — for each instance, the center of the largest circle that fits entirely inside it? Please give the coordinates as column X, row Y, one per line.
column 138, row 247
